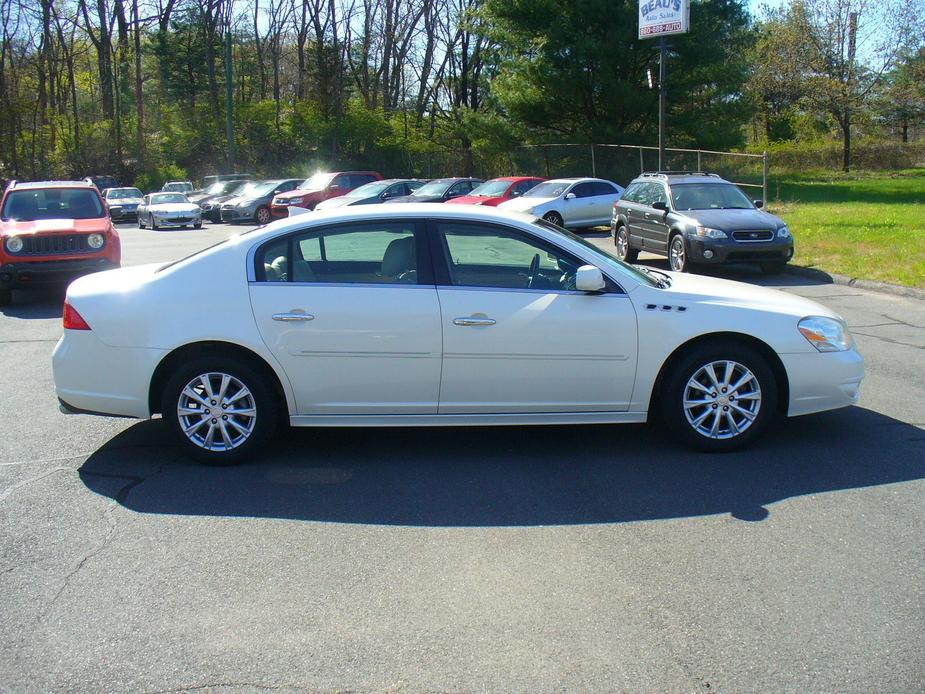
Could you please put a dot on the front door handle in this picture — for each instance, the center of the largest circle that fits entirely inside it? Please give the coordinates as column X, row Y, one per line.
column 292, row 317
column 473, row 321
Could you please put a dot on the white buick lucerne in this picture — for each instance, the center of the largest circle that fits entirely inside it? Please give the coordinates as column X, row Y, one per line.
column 406, row 315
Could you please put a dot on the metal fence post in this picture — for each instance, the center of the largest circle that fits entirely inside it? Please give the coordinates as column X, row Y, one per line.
column 546, row 157
column 593, row 167
column 699, row 165
column 642, row 163
column 764, row 177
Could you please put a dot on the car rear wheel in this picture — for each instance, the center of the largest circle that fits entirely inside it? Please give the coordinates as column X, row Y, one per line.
column 219, row 409
column 625, row 252
column 263, row 216
column 719, row 396
column 554, row 218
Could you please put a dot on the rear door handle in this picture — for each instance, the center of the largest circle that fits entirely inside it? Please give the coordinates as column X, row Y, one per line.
column 473, row 321
column 292, row 317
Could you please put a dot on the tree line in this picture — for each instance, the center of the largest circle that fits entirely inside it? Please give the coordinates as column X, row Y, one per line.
column 141, row 88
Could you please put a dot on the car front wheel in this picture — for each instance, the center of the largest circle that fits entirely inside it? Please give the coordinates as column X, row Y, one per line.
column 554, row 218
column 219, row 409
column 263, row 216
column 677, row 255
column 719, row 396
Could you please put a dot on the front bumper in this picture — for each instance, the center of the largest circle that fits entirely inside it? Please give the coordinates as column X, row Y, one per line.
column 238, row 214
column 723, row 251
column 177, row 222
column 24, row 274
column 821, row 381
column 280, row 211
column 120, row 213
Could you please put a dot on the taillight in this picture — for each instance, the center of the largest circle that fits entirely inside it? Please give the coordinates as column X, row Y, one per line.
column 72, row 319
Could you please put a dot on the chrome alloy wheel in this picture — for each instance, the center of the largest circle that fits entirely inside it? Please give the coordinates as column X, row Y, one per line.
column 676, row 255
column 622, row 243
column 722, row 399
column 216, row 412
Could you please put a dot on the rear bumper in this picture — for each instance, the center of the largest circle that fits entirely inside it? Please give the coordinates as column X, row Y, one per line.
column 51, row 271
column 92, row 377
column 821, row 381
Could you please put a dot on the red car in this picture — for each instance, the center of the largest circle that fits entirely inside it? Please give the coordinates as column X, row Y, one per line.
column 497, row 190
column 52, row 232
column 321, row 186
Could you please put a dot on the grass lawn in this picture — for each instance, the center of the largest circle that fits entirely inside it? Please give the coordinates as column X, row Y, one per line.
column 868, row 225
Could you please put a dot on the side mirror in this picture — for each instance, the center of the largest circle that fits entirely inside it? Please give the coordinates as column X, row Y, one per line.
column 758, row 203
column 334, row 188
column 515, row 194
column 570, row 196
column 589, row 279
column 659, row 205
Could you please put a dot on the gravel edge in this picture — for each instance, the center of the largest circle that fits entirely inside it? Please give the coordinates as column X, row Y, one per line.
column 845, row 280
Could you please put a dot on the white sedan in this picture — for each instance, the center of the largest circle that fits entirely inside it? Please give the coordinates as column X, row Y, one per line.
column 569, row 202
column 387, row 315
column 168, row 210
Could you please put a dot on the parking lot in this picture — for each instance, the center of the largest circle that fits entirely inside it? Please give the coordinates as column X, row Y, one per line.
column 466, row 560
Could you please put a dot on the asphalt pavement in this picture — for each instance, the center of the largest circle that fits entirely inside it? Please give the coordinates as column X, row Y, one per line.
column 465, row 560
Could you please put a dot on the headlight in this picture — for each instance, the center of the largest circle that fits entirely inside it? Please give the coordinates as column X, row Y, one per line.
column 246, row 203
column 825, row 334
column 96, row 241
column 707, row 232
column 783, row 233
column 14, row 244
column 291, row 201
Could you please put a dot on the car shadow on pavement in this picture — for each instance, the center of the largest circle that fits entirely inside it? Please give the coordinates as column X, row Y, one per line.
column 508, row 476
column 36, row 302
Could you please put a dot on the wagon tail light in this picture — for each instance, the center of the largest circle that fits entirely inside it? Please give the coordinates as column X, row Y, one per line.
column 72, row 319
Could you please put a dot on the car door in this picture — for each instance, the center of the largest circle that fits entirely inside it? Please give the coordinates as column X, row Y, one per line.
column 512, row 344
column 350, row 311
column 604, row 195
column 579, row 210
column 458, row 189
column 632, row 212
column 657, row 220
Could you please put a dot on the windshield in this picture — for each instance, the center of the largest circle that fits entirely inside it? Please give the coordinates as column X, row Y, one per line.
column 549, row 189
column 177, row 187
column 52, row 203
column 491, row 189
column 433, row 188
column 123, row 193
column 604, row 256
column 368, row 190
column 165, row 198
column 709, row 196
column 317, row 182
column 258, row 190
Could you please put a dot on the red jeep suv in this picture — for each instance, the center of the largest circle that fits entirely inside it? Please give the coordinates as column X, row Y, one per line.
column 52, row 232
column 321, row 186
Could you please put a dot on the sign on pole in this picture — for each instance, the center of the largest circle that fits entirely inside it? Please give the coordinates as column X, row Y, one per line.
column 663, row 17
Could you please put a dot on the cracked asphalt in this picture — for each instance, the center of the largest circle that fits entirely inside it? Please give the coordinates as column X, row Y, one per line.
column 468, row 560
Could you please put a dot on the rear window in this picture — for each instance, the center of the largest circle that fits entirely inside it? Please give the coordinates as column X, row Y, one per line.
column 52, row 203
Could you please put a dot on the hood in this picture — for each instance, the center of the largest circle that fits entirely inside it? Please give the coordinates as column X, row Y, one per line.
column 523, row 204
column 490, row 200
column 52, row 226
column 299, row 194
column 731, row 220
column 703, row 289
column 122, row 202
column 337, row 202
column 416, row 198
column 173, row 207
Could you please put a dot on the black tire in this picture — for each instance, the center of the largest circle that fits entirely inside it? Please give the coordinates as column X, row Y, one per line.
column 197, row 226
column 677, row 254
column 675, row 389
column 554, row 218
column 773, row 267
column 621, row 240
column 151, row 220
column 262, row 398
column 262, row 216
column 6, row 297
column 141, row 224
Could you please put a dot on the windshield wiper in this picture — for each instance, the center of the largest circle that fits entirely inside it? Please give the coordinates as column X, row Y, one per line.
column 662, row 280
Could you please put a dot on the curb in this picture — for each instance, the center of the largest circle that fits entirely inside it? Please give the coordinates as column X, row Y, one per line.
column 844, row 280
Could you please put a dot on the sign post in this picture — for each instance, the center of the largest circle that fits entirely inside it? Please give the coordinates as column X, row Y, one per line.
column 663, row 18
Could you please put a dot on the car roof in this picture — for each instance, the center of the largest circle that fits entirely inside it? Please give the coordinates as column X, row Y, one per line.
column 54, row 184
column 515, row 178
column 680, row 177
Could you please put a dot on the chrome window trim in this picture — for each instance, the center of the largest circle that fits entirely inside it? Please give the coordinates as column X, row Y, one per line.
column 378, row 285
column 447, row 287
